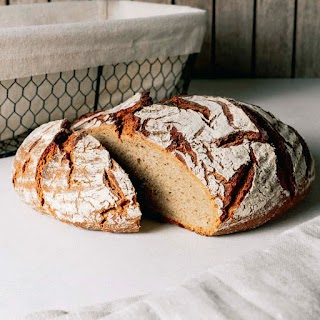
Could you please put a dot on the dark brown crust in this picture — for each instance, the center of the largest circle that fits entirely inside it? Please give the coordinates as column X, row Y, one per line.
column 112, row 182
column 46, row 156
column 228, row 114
column 306, row 153
column 231, row 188
column 64, row 141
column 180, row 158
column 25, row 154
column 237, row 138
column 144, row 101
column 143, row 128
column 127, row 124
column 239, row 187
column 125, row 120
column 66, row 144
column 305, row 149
column 270, row 135
column 123, row 116
column 258, row 220
column 179, row 143
column 181, row 103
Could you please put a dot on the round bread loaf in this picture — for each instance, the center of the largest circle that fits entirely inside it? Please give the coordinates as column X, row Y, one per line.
column 70, row 176
column 212, row 165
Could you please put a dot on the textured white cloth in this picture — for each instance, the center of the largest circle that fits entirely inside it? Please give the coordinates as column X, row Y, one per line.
column 42, row 40
column 280, row 282
column 46, row 38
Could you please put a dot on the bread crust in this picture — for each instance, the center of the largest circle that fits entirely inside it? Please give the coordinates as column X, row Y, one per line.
column 70, row 176
column 258, row 220
column 254, row 166
column 230, row 225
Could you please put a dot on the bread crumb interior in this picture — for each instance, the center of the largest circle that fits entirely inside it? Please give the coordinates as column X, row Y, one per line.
column 163, row 183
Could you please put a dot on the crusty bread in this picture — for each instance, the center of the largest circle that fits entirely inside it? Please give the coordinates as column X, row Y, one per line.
column 212, row 165
column 70, row 176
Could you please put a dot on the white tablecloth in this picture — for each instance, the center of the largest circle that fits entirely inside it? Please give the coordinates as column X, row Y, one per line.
column 45, row 264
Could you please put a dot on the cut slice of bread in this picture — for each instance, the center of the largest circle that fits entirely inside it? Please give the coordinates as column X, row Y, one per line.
column 70, row 176
column 209, row 164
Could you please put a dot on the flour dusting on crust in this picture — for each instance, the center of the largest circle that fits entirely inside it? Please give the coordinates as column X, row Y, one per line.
column 72, row 177
column 230, row 146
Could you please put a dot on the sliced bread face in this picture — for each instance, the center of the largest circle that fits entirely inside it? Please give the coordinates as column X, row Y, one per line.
column 210, row 164
column 71, row 176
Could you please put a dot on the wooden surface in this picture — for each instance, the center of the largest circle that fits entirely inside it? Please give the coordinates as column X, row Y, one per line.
column 255, row 38
column 26, row 1
column 260, row 38
column 308, row 39
column 233, row 33
column 274, row 38
column 155, row 1
column 205, row 59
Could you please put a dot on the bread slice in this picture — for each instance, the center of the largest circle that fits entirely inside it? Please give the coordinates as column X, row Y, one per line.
column 209, row 164
column 70, row 176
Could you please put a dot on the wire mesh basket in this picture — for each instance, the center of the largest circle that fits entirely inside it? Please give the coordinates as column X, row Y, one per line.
column 27, row 103
column 34, row 97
